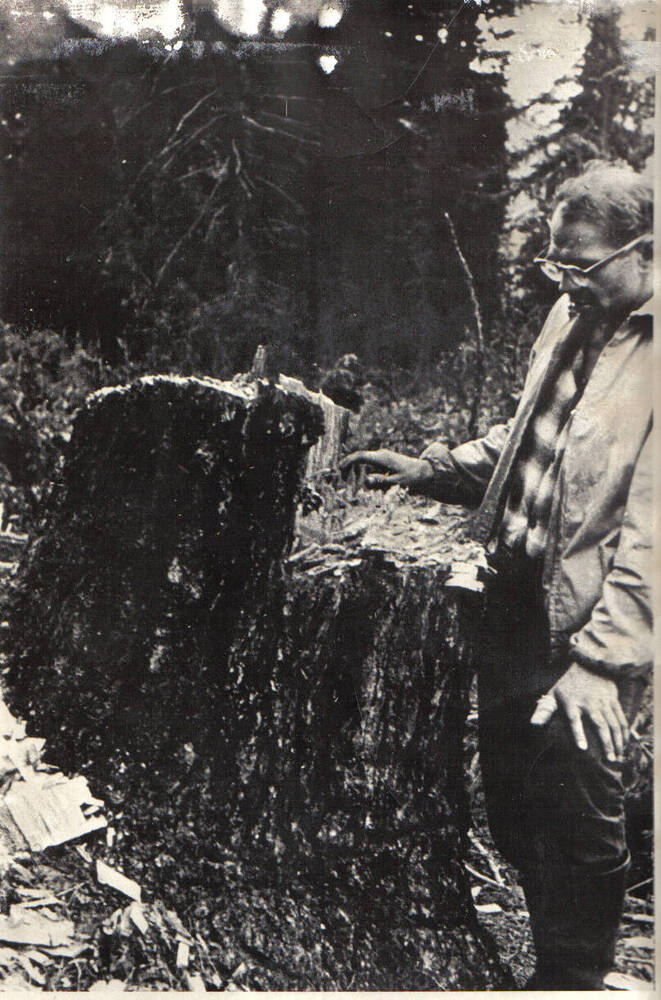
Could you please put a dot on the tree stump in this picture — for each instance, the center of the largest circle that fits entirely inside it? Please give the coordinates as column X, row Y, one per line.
column 281, row 732
column 173, row 511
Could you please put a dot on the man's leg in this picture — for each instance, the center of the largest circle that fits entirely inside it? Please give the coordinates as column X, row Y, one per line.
column 556, row 812
column 511, row 672
column 575, row 860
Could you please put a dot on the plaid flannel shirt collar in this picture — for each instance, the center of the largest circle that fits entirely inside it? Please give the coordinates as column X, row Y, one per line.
column 527, row 511
column 485, row 521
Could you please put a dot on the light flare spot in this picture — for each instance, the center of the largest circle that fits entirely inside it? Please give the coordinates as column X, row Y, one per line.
column 327, row 63
column 329, row 17
column 281, row 20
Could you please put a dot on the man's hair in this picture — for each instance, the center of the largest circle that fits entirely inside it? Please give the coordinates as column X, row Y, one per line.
column 611, row 194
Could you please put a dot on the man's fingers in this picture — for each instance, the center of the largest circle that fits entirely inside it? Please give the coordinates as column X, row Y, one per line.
column 544, row 709
column 604, row 731
column 616, row 731
column 541, row 715
column 382, row 458
column 355, row 458
column 576, row 723
column 622, row 719
column 377, row 479
column 583, row 693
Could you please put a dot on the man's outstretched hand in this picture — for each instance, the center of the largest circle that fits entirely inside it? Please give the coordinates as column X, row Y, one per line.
column 580, row 693
column 396, row 469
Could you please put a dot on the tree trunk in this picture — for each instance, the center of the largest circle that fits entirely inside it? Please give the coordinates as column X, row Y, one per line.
column 282, row 736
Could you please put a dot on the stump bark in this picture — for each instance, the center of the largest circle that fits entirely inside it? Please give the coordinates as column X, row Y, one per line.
column 280, row 730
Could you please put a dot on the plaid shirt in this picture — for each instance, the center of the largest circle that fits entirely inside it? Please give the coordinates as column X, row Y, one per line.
column 526, row 516
column 597, row 563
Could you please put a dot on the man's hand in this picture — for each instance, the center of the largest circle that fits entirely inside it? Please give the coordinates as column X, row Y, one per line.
column 580, row 693
column 398, row 470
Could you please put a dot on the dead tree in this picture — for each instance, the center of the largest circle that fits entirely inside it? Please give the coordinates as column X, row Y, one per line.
column 280, row 729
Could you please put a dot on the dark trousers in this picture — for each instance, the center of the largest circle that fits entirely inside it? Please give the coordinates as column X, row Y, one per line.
column 555, row 812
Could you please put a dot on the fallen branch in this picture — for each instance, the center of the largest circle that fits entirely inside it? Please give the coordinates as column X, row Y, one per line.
column 483, row 878
column 487, row 854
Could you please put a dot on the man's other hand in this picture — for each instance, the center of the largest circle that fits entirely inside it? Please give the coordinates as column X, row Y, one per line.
column 396, row 469
column 580, row 693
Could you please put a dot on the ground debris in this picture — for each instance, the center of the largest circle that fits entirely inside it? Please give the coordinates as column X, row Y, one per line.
column 110, row 986
column 643, row 918
column 60, row 928
column 622, row 981
column 24, row 926
column 51, row 809
column 90, row 944
column 639, row 941
column 39, row 806
column 109, row 876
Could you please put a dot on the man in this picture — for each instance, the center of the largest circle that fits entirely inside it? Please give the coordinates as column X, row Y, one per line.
column 566, row 518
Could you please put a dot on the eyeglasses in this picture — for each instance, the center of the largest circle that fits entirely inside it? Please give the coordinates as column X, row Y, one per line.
column 581, row 276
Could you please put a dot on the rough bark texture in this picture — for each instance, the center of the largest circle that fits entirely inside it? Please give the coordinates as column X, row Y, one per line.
column 282, row 737
column 172, row 514
column 325, row 453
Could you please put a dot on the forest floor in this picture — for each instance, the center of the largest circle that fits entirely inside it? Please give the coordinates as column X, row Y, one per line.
column 114, row 943
column 110, row 949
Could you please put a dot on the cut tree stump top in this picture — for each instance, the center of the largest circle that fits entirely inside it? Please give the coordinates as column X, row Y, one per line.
column 403, row 529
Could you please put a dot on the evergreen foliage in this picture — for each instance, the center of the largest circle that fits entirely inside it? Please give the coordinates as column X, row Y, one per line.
column 169, row 208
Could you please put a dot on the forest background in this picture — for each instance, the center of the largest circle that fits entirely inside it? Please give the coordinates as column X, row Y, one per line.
column 182, row 180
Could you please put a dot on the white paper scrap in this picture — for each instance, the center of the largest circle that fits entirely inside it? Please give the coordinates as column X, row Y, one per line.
column 183, row 954
column 465, row 577
column 48, row 814
column 33, row 971
column 30, row 927
column 137, row 915
column 489, row 908
column 42, row 901
column 623, row 981
column 109, row 876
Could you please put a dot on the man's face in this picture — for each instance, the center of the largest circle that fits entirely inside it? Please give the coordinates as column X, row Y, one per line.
column 621, row 285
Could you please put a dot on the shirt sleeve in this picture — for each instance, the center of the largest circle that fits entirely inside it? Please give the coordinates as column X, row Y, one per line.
column 473, row 462
column 617, row 641
column 477, row 459
column 450, row 482
column 465, row 471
